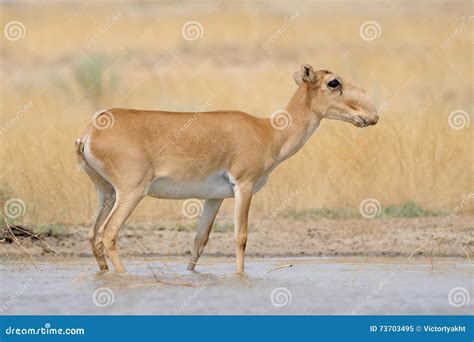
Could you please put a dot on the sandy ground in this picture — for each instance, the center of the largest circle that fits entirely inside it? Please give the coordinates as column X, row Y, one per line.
column 283, row 237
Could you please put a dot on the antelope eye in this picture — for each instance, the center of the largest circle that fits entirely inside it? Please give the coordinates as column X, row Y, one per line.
column 334, row 84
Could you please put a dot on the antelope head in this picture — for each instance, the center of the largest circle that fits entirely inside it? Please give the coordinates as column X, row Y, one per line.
column 332, row 97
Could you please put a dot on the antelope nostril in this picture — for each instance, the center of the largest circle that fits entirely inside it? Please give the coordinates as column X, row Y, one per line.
column 365, row 121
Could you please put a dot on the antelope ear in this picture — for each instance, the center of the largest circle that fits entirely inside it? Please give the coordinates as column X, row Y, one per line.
column 297, row 77
column 306, row 74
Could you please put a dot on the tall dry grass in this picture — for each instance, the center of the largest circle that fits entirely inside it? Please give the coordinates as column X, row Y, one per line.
column 141, row 60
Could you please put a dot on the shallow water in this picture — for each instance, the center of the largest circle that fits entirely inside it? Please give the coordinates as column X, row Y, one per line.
column 342, row 286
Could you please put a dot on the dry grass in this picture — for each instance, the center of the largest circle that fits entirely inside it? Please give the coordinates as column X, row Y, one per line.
column 411, row 155
column 428, row 247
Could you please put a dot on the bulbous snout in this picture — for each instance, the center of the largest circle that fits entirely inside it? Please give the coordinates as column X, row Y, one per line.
column 351, row 104
column 370, row 121
column 366, row 111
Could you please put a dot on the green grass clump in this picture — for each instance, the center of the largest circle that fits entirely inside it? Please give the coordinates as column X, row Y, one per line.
column 323, row 213
column 222, row 227
column 94, row 77
column 406, row 210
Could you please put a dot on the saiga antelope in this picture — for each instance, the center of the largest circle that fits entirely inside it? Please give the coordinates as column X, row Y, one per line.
column 220, row 154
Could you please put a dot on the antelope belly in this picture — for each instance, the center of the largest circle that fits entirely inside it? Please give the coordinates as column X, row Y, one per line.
column 215, row 186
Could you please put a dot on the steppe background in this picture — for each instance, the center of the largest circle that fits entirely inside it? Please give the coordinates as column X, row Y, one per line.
column 73, row 59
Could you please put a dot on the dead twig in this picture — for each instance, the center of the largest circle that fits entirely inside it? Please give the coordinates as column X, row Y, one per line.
column 428, row 247
column 36, row 236
column 9, row 233
column 279, row 267
column 164, row 282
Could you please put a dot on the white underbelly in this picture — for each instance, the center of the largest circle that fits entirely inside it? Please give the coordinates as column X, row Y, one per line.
column 215, row 186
